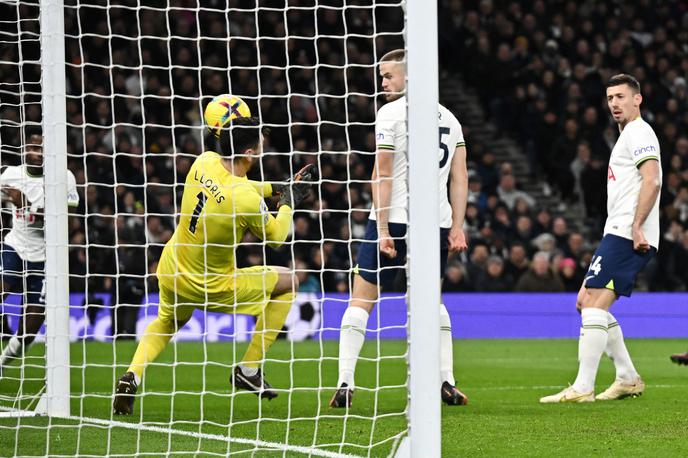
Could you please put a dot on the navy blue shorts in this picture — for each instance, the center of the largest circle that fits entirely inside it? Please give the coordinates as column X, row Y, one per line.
column 616, row 264
column 383, row 273
column 22, row 276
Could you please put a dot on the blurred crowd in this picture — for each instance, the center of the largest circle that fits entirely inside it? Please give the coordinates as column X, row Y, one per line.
column 138, row 79
column 540, row 70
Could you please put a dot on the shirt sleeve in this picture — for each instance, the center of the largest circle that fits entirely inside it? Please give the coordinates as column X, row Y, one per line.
column 459, row 132
column 642, row 145
column 385, row 129
column 257, row 219
column 263, row 188
column 72, row 194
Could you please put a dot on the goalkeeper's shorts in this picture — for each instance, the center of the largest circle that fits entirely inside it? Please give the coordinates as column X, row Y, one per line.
column 616, row 264
column 377, row 268
column 253, row 287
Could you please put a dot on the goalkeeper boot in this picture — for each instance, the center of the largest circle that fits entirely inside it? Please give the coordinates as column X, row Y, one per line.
column 452, row 396
column 568, row 395
column 621, row 390
column 254, row 383
column 342, row 397
column 124, row 394
column 680, row 359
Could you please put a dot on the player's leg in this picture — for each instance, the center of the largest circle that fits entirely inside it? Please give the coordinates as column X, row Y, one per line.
column 271, row 317
column 627, row 382
column 33, row 313
column 5, row 329
column 352, row 336
column 155, row 338
column 158, row 333
column 266, row 293
column 450, row 394
column 372, row 271
column 595, row 303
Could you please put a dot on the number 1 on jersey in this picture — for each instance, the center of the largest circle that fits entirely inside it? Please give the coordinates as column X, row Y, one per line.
column 445, row 148
column 197, row 211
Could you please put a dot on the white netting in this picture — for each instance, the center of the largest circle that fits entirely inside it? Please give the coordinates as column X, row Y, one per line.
column 138, row 77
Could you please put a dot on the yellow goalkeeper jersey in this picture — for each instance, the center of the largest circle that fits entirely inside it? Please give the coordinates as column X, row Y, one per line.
column 217, row 209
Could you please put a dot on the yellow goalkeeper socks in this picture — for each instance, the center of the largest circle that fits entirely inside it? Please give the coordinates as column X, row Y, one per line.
column 269, row 324
column 153, row 342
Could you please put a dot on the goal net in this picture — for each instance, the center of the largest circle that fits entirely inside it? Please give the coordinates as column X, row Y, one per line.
column 138, row 76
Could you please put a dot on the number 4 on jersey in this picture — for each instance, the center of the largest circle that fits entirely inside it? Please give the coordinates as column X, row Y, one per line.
column 596, row 265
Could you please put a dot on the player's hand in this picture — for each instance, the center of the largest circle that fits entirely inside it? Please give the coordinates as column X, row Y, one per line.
column 387, row 245
column 457, row 240
column 297, row 189
column 640, row 243
column 13, row 195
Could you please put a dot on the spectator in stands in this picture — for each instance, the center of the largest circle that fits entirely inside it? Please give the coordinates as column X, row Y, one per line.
column 560, row 231
column 508, row 193
column 478, row 262
column 455, row 279
column 494, row 279
column 308, row 283
column 518, row 262
column 476, row 195
column 570, row 275
column 540, row 277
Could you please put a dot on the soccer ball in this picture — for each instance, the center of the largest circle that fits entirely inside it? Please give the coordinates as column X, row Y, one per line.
column 303, row 321
column 222, row 110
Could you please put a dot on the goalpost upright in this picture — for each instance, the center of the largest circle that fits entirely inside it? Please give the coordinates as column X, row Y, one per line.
column 424, row 287
column 53, row 88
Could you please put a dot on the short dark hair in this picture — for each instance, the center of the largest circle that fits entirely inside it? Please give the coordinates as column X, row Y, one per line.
column 241, row 134
column 623, row 78
column 398, row 55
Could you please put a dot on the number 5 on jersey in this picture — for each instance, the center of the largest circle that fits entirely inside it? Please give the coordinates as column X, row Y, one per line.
column 444, row 147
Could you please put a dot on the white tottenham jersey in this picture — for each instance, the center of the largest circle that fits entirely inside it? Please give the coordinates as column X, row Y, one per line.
column 26, row 236
column 636, row 144
column 390, row 135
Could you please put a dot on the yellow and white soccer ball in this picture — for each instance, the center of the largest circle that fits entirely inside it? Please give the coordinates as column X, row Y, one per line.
column 222, row 110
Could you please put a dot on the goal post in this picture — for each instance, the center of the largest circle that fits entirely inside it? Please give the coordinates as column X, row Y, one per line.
column 424, row 249
column 56, row 228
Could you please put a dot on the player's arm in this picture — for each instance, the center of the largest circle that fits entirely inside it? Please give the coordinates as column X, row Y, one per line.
column 381, row 179
column 649, row 190
column 382, row 196
column 14, row 195
column 263, row 188
column 275, row 230
column 258, row 220
column 458, row 198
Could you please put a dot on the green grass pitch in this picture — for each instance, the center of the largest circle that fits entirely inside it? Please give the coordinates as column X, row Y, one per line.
column 503, row 379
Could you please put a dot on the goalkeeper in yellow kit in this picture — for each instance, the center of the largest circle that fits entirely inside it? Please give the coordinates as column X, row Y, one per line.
column 197, row 268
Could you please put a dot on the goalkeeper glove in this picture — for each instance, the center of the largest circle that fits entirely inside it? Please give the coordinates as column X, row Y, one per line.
column 295, row 191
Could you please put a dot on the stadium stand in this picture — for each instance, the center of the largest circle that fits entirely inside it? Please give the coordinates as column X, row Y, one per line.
column 538, row 134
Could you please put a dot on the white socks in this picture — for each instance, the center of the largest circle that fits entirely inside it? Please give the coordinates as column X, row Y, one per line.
column 12, row 351
column 351, row 339
column 446, row 348
column 591, row 345
column 616, row 349
column 352, row 336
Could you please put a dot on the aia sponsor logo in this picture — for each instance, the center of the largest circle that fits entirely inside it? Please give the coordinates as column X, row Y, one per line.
column 610, row 174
